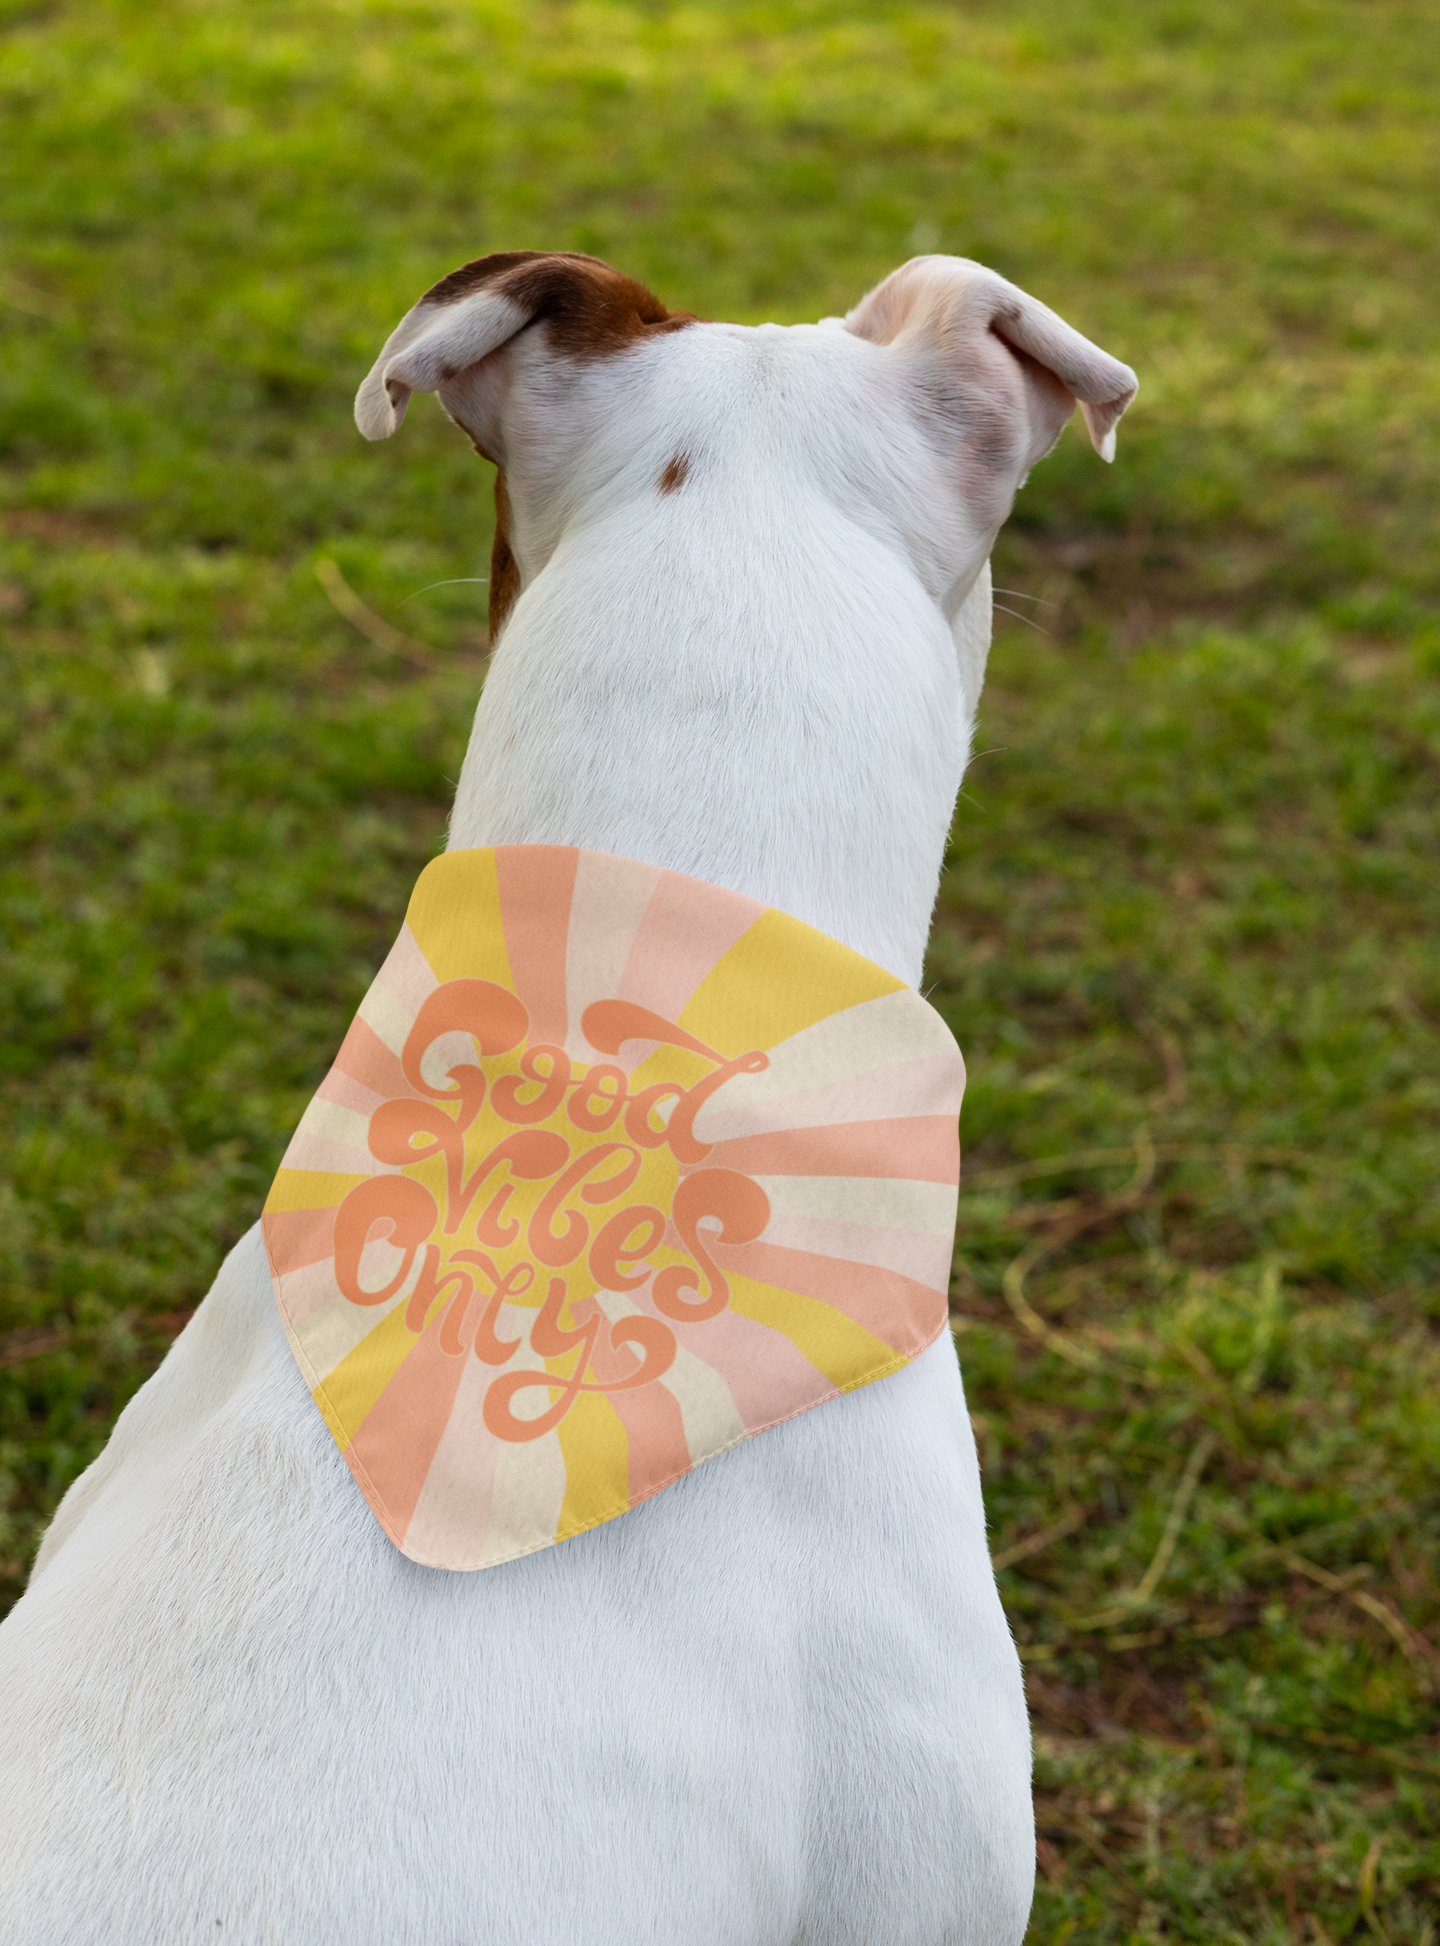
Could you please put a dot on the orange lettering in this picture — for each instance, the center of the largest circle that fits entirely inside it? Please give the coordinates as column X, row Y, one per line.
column 489, row 1014
column 743, row 1209
column 429, row 1286
column 409, row 1209
column 605, row 1085
column 548, row 1339
column 396, row 1126
column 654, row 1339
column 557, row 1247
column 488, row 1348
column 638, row 1125
column 612, row 1246
column 608, row 1024
column 532, row 1157
column 505, row 1095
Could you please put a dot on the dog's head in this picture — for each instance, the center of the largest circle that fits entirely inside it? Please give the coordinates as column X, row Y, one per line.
column 918, row 415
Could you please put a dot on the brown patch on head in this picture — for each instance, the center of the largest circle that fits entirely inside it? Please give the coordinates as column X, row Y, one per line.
column 504, row 572
column 592, row 311
column 676, row 473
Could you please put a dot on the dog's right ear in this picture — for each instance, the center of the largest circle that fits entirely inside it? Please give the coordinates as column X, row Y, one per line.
column 592, row 311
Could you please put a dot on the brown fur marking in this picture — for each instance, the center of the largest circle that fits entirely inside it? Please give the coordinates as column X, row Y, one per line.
column 676, row 473
column 504, row 573
column 592, row 310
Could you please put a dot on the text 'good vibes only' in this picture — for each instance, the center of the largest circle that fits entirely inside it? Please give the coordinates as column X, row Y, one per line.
column 592, row 1168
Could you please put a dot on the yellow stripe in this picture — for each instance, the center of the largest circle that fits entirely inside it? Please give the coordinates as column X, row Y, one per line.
column 337, row 1431
column 597, row 1464
column 779, row 977
column 844, row 1351
column 669, row 1064
column 454, row 914
column 295, row 1189
column 348, row 1393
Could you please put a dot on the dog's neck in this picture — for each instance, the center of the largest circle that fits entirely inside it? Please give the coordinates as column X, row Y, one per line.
column 794, row 729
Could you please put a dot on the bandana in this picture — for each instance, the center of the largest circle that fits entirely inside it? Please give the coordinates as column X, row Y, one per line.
column 614, row 1169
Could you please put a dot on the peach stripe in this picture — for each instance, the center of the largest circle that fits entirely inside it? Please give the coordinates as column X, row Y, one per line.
column 537, row 883
column 687, row 927
column 391, row 1453
column 452, row 1515
column 308, row 1289
column 346, row 1092
column 655, row 1429
column 759, row 1365
column 654, row 1424
column 296, row 1237
column 897, row 1310
column 917, row 1148
column 365, row 1058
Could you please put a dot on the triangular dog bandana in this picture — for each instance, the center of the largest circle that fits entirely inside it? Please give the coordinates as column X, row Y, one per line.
column 614, row 1169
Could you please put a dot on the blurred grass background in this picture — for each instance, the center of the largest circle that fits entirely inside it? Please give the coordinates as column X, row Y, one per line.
column 1187, row 933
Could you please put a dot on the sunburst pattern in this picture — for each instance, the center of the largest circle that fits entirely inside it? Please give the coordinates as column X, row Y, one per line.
column 614, row 1169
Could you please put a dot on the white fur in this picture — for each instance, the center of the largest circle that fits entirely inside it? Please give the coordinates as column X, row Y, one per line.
column 778, row 1705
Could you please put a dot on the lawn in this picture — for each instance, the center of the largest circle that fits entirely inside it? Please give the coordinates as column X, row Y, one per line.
column 1187, row 931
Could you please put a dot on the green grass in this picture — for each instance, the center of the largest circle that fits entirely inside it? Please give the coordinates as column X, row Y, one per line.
column 1187, row 933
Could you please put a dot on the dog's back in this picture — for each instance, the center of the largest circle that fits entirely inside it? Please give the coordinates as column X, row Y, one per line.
column 778, row 1702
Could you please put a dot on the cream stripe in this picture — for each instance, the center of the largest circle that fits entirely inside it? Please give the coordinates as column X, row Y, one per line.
column 332, row 1334
column 529, row 1493
column 887, row 1201
column 327, row 1121
column 386, row 1018
column 929, row 1086
column 913, row 1253
column 878, row 1033
column 611, row 897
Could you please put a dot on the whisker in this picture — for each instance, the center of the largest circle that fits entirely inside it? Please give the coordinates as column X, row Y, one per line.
column 1021, row 618
column 1020, row 595
column 476, row 580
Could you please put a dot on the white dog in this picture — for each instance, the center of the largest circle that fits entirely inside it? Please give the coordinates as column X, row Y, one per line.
column 743, row 577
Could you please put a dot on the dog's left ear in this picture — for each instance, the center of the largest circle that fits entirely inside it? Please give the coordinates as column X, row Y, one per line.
column 957, row 322
column 591, row 311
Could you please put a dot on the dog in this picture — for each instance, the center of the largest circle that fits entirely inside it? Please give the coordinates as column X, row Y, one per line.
column 741, row 602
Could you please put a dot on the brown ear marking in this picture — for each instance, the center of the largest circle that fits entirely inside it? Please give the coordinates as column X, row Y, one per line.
column 504, row 573
column 676, row 473
column 592, row 310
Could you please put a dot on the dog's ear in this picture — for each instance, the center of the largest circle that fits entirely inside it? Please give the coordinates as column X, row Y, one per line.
column 592, row 311
column 955, row 320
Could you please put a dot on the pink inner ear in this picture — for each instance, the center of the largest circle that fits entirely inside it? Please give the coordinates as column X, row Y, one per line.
column 1100, row 423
